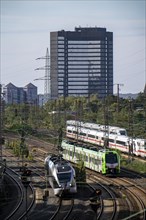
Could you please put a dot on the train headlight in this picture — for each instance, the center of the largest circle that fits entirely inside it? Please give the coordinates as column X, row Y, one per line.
column 72, row 183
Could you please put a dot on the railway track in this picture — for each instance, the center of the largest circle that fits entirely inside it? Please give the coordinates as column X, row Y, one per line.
column 129, row 199
column 106, row 200
column 64, row 209
column 121, row 197
column 21, row 202
column 135, row 200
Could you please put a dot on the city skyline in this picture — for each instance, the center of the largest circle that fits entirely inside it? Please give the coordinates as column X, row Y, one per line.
column 25, row 36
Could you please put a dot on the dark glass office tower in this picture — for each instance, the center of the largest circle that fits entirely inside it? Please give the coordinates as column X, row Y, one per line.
column 81, row 62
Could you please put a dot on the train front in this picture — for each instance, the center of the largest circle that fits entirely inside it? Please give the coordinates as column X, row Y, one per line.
column 112, row 163
column 65, row 179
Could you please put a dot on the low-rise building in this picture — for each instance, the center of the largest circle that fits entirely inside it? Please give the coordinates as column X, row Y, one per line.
column 19, row 95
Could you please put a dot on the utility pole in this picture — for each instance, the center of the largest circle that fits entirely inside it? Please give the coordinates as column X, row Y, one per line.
column 0, row 122
column 47, row 78
column 130, row 128
column 118, row 89
column 106, row 123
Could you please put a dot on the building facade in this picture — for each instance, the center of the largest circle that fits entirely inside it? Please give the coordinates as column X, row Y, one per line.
column 81, row 62
column 19, row 95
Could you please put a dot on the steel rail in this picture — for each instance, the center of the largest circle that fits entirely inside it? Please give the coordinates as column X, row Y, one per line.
column 22, row 196
column 130, row 188
column 113, row 199
column 58, row 211
column 19, row 187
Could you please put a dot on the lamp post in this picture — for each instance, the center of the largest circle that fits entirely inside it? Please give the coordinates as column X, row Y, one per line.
column 106, row 124
column 22, row 144
column 130, row 128
column 1, row 121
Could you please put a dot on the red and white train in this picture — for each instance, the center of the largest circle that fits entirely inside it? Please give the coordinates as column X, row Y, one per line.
column 96, row 134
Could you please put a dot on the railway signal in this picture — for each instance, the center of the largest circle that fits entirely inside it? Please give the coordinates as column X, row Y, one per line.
column 25, row 177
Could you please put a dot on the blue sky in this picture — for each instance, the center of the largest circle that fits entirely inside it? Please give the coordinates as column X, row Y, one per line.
column 26, row 27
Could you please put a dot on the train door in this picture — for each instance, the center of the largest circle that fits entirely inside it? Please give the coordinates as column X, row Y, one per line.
column 86, row 159
column 103, row 164
column 92, row 162
column 99, row 165
column 96, row 164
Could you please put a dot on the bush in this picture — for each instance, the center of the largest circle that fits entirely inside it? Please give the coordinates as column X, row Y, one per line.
column 134, row 165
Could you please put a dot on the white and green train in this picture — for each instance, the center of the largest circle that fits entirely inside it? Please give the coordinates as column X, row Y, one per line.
column 103, row 161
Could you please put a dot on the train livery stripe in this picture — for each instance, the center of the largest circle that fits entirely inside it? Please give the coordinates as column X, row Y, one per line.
column 139, row 151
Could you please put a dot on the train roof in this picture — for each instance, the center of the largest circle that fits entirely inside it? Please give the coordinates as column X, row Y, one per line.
column 84, row 130
column 90, row 150
column 95, row 126
column 57, row 159
column 61, row 165
column 119, row 137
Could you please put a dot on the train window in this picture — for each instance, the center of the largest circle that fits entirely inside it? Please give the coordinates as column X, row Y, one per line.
column 64, row 177
column 70, row 153
column 69, row 131
column 122, row 132
column 111, row 140
column 145, row 145
column 77, row 155
column 90, row 135
column 93, row 160
column 113, row 132
column 72, row 143
column 83, row 134
column 86, row 158
column 96, row 137
column 65, row 151
column 121, row 142
column 111, row 158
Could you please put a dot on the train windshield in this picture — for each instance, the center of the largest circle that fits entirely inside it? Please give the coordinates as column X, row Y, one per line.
column 122, row 132
column 111, row 158
column 63, row 168
column 64, row 177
